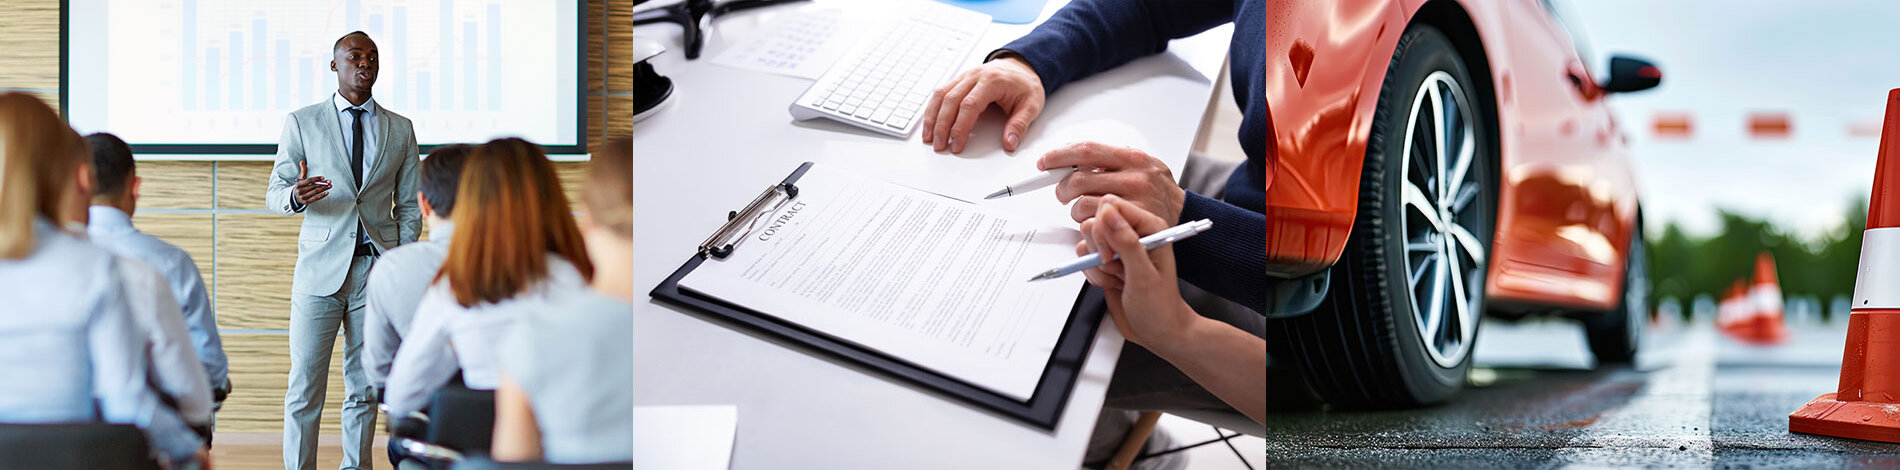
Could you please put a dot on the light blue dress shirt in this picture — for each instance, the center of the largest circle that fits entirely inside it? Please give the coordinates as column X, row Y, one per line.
column 112, row 228
column 394, row 291
column 79, row 356
column 445, row 337
column 346, row 122
column 574, row 360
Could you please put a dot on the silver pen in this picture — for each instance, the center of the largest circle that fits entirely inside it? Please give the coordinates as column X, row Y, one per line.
column 1033, row 183
column 1155, row 240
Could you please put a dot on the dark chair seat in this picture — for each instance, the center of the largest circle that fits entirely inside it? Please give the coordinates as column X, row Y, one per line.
column 462, row 419
column 75, row 445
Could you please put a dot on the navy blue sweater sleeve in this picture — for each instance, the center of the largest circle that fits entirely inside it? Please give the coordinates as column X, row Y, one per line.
column 1089, row 36
column 1230, row 259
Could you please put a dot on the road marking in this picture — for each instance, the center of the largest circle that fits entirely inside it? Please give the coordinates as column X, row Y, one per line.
column 1670, row 413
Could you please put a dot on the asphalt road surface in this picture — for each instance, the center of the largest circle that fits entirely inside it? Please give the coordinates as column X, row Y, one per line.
column 1535, row 400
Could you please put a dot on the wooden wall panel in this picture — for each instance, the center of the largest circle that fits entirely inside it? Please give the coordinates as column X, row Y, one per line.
column 192, row 232
column 175, row 185
column 256, row 256
column 29, row 48
column 241, row 185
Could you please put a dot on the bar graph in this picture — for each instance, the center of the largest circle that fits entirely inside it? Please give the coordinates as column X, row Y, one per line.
column 250, row 64
column 227, row 72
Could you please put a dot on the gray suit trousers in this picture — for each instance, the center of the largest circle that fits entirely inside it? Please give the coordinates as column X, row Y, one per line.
column 314, row 323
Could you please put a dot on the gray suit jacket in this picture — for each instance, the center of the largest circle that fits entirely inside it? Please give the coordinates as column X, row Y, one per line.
column 385, row 205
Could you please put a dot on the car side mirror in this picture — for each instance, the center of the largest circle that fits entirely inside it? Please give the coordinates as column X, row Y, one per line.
column 1629, row 74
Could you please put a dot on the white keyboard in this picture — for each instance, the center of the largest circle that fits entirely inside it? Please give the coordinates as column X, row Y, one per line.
column 883, row 83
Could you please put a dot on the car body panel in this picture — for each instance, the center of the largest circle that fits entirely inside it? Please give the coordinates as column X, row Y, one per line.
column 1567, row 201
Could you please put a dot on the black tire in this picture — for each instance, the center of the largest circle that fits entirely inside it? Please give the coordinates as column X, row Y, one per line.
column 1362, row 347
column 1615, row 335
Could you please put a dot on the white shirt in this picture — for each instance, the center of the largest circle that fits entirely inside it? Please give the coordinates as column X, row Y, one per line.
column 394, row 290
column 112, row 229
column 574, row 360
column 175, row 370
column 79, row 356
column 346, row 122
column 446, row 336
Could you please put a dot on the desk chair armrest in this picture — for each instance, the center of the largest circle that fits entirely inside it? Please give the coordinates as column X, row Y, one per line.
column 411, row 425
column 425, row 451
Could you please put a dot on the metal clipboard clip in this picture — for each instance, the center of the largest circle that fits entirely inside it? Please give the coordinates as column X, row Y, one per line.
column 741, row 223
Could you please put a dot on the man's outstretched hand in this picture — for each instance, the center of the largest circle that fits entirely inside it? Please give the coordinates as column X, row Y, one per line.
column 1008, row 82
column 308, row 190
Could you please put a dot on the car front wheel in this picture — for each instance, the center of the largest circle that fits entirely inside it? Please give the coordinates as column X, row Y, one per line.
column 1398, row 326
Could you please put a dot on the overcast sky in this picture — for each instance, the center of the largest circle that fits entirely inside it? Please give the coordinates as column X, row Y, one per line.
column 1828, row 64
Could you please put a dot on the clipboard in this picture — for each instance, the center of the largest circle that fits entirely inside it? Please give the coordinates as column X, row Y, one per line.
column 1045, row 405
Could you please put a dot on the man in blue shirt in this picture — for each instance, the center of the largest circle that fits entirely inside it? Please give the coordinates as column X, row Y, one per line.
column 115, row 199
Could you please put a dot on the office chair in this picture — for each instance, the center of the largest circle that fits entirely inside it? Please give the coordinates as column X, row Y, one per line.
column 460, row 424
column 74, row 445
column 689, row 14
column 479, row 463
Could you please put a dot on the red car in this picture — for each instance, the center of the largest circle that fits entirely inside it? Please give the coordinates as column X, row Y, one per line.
column 1436, row 160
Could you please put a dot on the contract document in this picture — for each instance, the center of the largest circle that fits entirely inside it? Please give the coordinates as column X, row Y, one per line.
column 937, row 282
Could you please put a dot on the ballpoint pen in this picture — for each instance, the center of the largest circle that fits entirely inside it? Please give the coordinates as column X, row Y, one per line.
column 1033, row 183
column 1155, row 240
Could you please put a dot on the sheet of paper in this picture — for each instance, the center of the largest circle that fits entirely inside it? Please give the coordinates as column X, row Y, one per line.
column 938, row 282
column 800, row 43
column 684, row 437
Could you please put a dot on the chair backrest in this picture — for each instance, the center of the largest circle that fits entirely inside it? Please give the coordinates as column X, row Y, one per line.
column 75, row 445
column 479, row 463
column 462, row 419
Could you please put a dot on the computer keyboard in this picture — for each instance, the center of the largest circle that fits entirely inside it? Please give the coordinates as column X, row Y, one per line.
column 883, row 83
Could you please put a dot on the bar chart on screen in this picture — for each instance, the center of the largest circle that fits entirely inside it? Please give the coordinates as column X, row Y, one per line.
column 227, row 71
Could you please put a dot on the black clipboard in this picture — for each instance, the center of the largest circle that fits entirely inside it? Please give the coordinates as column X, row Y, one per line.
column 1044, row 407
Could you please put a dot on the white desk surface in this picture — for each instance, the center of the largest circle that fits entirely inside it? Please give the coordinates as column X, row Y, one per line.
column 728, row 134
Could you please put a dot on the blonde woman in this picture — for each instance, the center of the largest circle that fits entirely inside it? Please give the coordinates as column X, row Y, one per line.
column 73, row 352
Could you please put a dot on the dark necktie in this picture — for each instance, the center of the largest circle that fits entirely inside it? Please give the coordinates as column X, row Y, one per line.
column 356, row 158
column 356, row 147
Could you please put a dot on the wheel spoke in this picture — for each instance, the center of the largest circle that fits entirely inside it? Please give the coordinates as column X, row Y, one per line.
column 1436, row 312
column 1415, row 198
column 1415, row 247
column 1463, row 199
column 1466, row 242
column 1418, row 272
column 1455, row 183
column 1438, row 137
column 1459, row 297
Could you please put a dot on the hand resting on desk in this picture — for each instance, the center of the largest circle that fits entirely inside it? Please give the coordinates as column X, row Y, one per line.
column 1007, row 82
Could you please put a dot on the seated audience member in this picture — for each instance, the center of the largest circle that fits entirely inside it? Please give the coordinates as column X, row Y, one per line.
column 109, row 225
column 566, row 368
column 73, row 353
column 397, row 281
column 515, row 247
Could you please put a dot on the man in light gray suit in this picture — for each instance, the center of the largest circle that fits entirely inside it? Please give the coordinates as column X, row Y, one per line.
column 349, row 166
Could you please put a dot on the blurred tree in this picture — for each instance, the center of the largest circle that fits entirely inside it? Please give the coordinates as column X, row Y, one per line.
column 1684, row 266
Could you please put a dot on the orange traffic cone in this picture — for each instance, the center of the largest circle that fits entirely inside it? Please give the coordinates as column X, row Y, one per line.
column 1765, row 324
column 1733, row 310
column 1867, row 404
